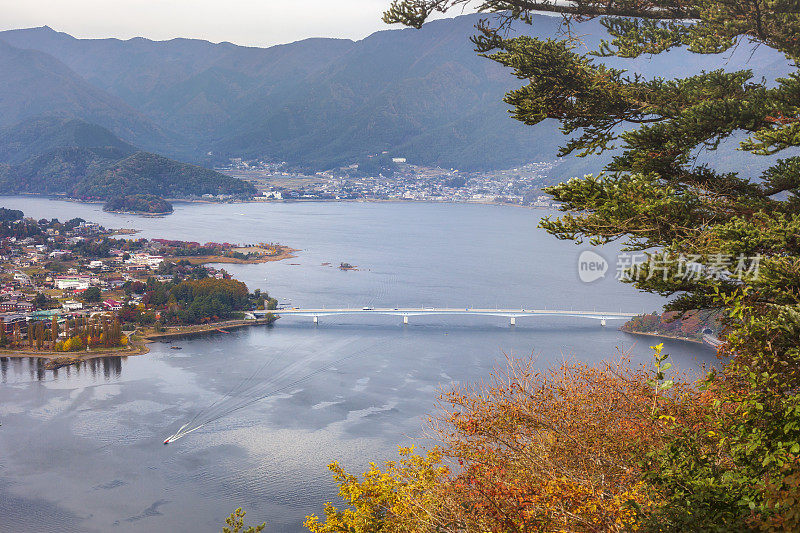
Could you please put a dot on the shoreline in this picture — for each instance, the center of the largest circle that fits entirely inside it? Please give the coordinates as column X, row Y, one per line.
column 663, row 336
column 285, row 253
column 174, row 332
column 284, row 201
column 57, row 360
column 379, row 201
column 139, row 213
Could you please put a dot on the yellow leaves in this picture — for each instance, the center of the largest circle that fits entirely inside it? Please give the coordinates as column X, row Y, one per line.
column 559, row 448
column 72, row 344
column 394, row 499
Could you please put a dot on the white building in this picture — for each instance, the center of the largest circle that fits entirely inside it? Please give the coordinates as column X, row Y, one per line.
column 146, row 260
column 72, row 282
column 71, row 305
column 22, row 278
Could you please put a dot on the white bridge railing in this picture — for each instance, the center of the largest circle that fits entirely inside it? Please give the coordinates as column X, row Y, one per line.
column 406, row 312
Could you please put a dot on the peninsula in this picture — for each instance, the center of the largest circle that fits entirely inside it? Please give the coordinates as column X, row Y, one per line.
column 71, row 290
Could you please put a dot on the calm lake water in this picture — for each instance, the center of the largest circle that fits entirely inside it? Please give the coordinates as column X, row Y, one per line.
column 81, row 448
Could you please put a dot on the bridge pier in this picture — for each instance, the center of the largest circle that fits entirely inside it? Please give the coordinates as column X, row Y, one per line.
column 316, row 319
column 513, row 321
column 405, row 319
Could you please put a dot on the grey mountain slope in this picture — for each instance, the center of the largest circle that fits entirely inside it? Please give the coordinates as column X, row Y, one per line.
column 35, row 83
column 34, row 137
column 186, row 85
column 322, row 103
column 65, row 155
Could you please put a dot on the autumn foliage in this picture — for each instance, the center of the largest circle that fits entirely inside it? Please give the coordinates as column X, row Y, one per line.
column 401, row 498
column 527, row 450
column 551, row 451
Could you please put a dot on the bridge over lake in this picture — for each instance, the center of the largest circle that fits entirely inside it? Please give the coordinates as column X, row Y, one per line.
column 406, row 312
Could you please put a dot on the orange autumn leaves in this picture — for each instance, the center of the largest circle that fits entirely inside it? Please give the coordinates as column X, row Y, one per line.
column 553, row 450
column 557, row 450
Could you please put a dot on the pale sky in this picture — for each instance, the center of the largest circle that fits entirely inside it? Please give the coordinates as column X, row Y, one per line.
column 245, row 22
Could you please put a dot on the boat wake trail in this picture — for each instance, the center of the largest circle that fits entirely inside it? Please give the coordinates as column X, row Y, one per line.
column 252, row 390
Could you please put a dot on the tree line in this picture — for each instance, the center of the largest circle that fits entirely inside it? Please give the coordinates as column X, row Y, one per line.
column 73, row 334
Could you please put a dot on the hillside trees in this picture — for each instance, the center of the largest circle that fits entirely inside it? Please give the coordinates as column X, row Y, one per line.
column 57, row 155
column 146, row 173
column 139, row 203
column 708, row 239
column 92, row 294
column 528, row 450
column 193, row 301
column 10, row 214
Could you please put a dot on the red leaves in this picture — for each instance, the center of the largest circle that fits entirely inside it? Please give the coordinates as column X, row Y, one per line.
column 781, row 119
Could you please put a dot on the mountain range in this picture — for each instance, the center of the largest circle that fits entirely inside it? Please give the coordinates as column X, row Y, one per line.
column 316, row 104
column 61, row 155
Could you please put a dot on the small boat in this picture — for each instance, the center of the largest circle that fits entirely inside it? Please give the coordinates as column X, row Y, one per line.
column 175, row 348
column 166, row 442
column 713, row 341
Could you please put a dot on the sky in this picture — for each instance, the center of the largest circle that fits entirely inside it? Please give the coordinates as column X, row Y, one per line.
column 244, row 22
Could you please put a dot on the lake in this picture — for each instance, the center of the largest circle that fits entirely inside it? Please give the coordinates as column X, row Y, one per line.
column 81, row 447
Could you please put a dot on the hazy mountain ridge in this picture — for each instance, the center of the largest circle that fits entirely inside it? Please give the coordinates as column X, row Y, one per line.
column 35, row 137
column 63, row 155
column 35, row 83
column 321, row 103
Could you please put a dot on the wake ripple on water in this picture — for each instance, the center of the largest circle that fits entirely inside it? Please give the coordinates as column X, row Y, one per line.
column 251, row 390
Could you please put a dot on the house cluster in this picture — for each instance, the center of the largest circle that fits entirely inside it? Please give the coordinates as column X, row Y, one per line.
column 519, row 186
column 75, row 269
column 13, row 300
column 47, row 267
column 143, row 261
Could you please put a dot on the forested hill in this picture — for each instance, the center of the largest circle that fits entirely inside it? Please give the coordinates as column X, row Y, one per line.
column 35, row 83
column 139, row 203
column 146, row 173
column 321, row 103
column 63, row 155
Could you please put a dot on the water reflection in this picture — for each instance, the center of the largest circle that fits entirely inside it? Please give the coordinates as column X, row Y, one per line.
column 110, row 368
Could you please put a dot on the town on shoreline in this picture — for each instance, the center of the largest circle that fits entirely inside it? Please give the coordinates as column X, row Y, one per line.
column 72, row 290
column 394, row 180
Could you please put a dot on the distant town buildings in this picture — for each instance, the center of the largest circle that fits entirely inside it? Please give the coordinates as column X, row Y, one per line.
column 112, row 305
column 518, row 186
column 72, row 305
